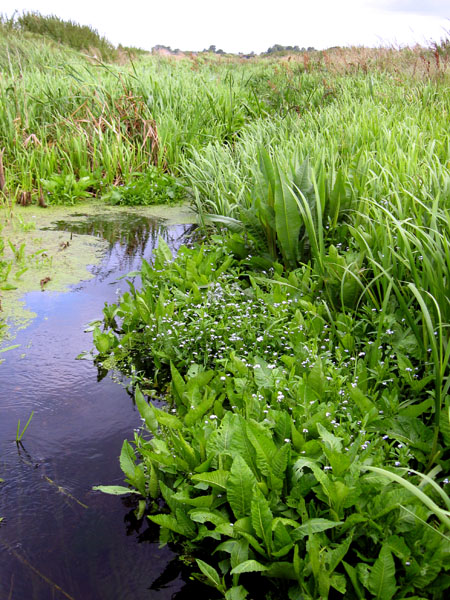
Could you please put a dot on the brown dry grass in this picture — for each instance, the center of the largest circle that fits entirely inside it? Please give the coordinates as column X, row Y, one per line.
column 413, row 61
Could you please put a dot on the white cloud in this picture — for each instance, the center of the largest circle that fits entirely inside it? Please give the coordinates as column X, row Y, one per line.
column 437, row 8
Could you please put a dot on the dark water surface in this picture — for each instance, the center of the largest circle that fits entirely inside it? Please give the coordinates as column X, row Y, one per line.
column 59, row 539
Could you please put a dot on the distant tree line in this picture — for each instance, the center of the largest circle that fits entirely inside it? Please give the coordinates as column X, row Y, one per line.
column 280, row 48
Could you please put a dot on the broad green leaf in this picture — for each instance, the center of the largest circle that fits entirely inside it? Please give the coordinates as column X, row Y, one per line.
column 339, row 462
column 331, row 441
column 170, row 522
column 262, row 374
column 182, row 449
column 178, row 384
column 316, row 378
column 249, row 566
column 115, row 490
column 382, row 576
column 146, row 411
column 287, row 218
column 216, row 479
column 139, row 512
column 353, row 576
column 360, row 399
column 232, row 439
column 280, row 460
column 302, row 179
column 211, row 574
column 262, row 517
column 200, row 502
column 313, row 554
column 127, row 460
column 339, row 583
column 220, row 440
column 166, row 419
column 207, row 516
column 240, row 487
column 169, row 496
column 190, row 530
column 398, row 547
column 163, row 251
column 314, row 526
column 281, row 537
column 102, row 341
column 231, row 224
column 225, row 529
column 283, row 425
column 239, row 552
column 237, row 592
column 281, row 570
column 335, row 556
column 153, row 486
column 195, row 414
column 253, row 542
column 264, row 448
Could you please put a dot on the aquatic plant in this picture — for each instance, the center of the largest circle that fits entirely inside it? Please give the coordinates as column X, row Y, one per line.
column 278, row 404
column 20, row 434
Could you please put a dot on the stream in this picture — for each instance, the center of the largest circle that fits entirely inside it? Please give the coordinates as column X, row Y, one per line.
column 59, row 539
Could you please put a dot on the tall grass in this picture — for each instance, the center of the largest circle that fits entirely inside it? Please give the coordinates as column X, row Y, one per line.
column 69, row 33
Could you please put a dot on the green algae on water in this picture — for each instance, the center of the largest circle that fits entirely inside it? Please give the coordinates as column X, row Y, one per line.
column 52, row 260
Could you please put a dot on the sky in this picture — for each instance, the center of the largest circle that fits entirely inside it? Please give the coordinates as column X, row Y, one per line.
column 253, row 25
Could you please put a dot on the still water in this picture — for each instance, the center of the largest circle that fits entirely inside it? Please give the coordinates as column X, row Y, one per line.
column 59, row 539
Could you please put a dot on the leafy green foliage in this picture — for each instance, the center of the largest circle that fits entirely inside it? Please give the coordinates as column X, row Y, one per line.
column 271, row 453
column 66, row 189
column 151, row 187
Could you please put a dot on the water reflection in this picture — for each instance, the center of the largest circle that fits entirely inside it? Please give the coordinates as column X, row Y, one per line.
column 129, row 236
column 60, row 539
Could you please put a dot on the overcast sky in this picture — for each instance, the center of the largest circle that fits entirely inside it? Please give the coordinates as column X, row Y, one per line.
column 246, row 25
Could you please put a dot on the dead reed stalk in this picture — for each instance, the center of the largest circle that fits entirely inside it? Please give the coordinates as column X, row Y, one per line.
column 2, row 173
